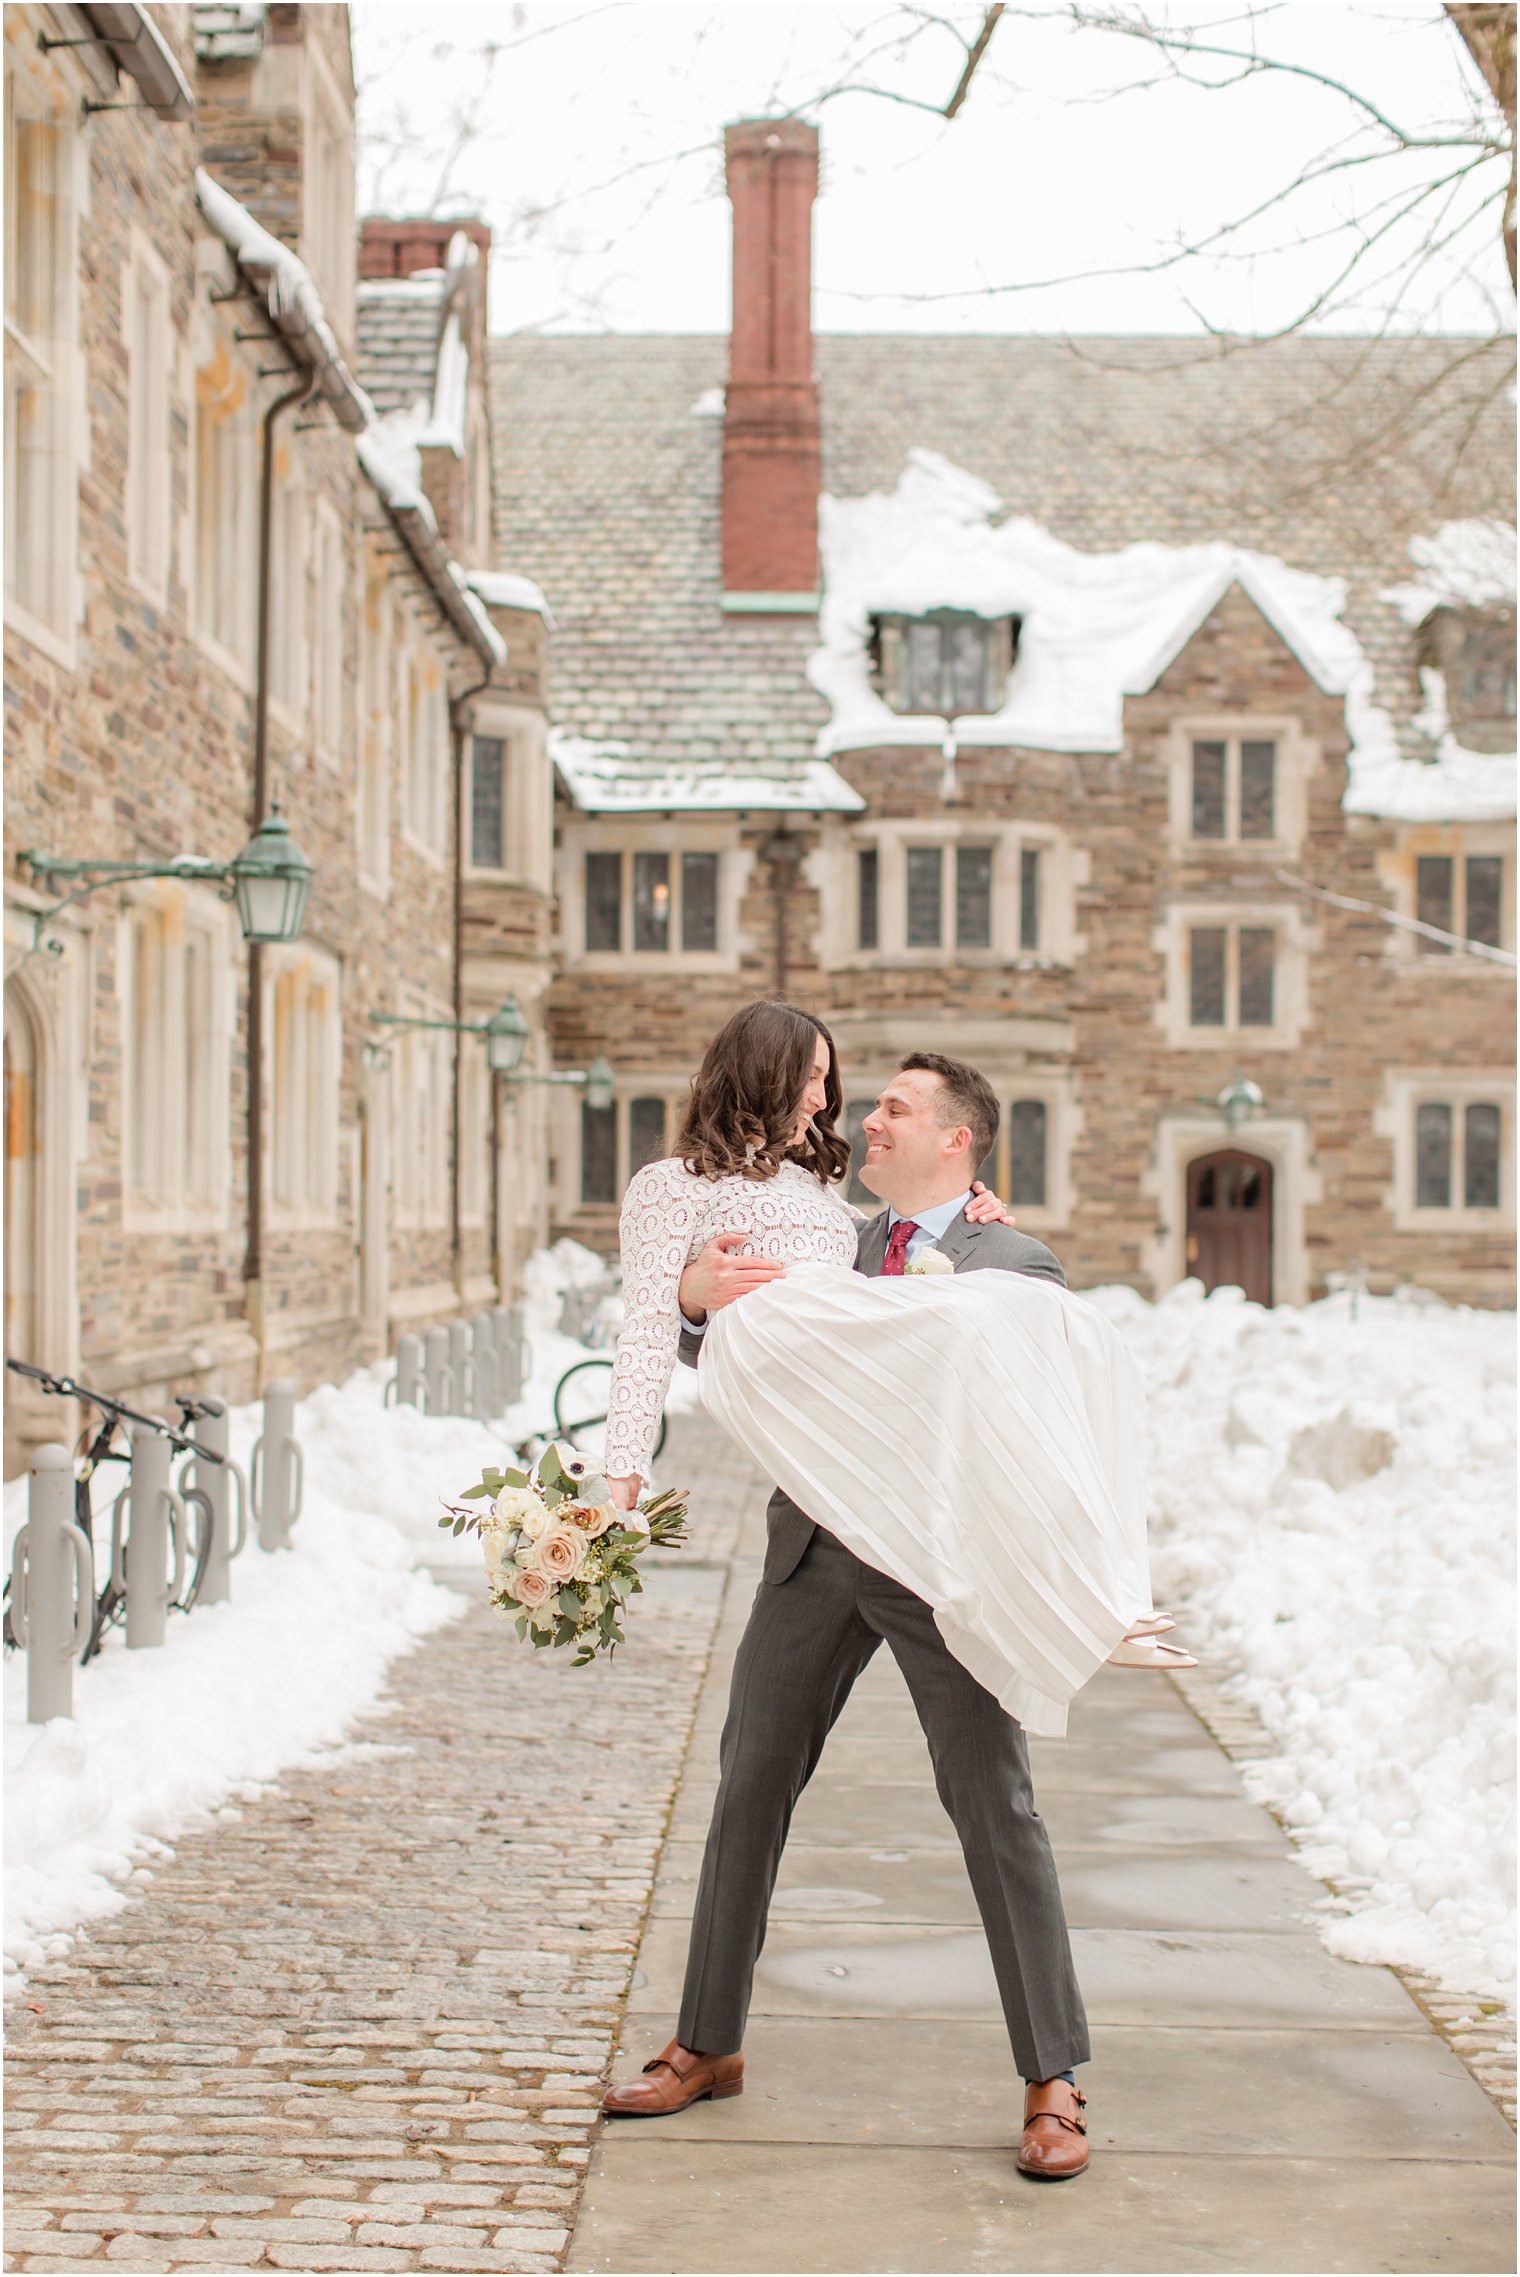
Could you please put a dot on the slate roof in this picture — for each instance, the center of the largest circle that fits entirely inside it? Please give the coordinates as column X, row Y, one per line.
column 400, row 322
column 1325, row 452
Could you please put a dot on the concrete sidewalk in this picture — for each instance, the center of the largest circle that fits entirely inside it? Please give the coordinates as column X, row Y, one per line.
column 1255, row 2105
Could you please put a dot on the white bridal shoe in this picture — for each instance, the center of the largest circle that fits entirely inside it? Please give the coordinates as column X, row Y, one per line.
column 1142, row 1647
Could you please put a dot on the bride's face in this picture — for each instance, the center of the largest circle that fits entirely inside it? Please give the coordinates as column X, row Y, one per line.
column 815, row 1096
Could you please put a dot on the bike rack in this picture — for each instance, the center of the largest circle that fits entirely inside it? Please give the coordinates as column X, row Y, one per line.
column 52, row 1587
column 277, row 1475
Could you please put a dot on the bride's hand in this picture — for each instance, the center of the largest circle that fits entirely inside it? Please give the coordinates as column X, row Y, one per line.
column 985, row 1207
column 624, row 1492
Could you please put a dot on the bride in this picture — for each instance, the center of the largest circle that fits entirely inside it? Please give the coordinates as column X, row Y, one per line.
column 978, row 1443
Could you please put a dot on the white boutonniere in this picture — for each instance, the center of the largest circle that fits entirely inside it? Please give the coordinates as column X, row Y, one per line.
column 931, row 1261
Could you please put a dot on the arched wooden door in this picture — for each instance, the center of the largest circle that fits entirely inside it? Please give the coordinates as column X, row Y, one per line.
column 1229, row 1222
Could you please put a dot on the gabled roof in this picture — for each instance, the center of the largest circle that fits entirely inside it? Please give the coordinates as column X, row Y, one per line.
column 1320, row 455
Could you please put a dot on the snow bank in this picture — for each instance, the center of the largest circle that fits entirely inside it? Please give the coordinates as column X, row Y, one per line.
column 163, row 1740
column 1096, row 627
column 1333, row 1502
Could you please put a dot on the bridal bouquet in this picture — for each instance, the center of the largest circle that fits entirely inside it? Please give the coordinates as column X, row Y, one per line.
column 561, row 1558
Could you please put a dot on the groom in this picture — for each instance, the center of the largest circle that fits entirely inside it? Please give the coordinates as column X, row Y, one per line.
column 819, row 1615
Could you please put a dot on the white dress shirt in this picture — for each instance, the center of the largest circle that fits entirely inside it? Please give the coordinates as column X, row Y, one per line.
column 932, row 1224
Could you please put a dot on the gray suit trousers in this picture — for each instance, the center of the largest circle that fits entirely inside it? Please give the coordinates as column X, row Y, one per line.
column 809, row 1636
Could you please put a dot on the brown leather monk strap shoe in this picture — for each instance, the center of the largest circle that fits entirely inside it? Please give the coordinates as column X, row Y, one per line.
column 672, row 2079
column 1055, row 2132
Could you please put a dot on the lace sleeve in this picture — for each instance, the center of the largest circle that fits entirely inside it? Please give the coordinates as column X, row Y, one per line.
column 660, row 1230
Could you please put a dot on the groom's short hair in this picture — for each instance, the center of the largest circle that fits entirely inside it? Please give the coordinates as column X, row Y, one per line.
column 966, row 1095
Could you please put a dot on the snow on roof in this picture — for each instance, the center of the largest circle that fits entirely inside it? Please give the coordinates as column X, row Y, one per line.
column 391, row 463
column 502, row 589
column 605, row 778
column 1096, row 627
column 295, row 305
column 1467, row 565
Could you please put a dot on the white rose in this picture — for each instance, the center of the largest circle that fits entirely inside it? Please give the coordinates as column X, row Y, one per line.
column 499, row 1563
column 932, row 1261
column 513, row 1506
column 537, row 1521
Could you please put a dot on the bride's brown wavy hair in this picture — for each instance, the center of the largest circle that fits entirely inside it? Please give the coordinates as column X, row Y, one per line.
column 746, row 1095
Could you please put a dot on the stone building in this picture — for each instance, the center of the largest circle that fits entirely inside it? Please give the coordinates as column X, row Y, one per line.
column 1126, row 716
column 183, row 319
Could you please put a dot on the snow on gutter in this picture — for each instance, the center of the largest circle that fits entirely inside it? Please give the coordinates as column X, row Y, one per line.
column 294, row 304
column 391, row 471
column 139, row 49
column 1096, row 627
column 504, row 589
column 296, row 311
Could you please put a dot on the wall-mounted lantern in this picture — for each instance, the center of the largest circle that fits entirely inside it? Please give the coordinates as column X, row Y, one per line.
column 269, row 882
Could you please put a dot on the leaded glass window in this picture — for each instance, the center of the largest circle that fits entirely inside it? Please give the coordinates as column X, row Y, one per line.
column 598, row 1154
column 604, row 901
column 1433, row 899
column 1029, row 897
column 1480, row 1157
column 1485, row 899
column 1027, row 1121
column 1257, row 951
column 1207, row 976
column 1432, row 1153
column 1258, row 790
column 867, row 885
column 651, row 901
column 646, row 1132
column 699, row 901
column 487, row 801
column 925, row 890
column 973, row 897
column 1208, row 790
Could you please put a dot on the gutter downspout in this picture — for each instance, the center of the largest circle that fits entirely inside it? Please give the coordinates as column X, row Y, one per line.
column 456, row 1207
column 253, row 1254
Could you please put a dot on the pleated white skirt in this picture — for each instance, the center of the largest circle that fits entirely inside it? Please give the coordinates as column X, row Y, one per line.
column 977, row 1437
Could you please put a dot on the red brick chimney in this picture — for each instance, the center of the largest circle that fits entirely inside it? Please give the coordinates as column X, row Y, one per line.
column 397, row 247
column 771, row 467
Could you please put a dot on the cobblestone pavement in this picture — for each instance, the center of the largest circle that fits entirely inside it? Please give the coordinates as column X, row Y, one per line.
column 364, row 2026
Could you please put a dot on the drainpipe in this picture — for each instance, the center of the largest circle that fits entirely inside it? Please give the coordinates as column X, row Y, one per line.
column 253, row 1254
column 456, row 1221
column 782, row 853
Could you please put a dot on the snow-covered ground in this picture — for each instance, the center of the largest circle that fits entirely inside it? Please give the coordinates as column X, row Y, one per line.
column 163, row 1739
column 1333, row 1502
column 1332, row 1506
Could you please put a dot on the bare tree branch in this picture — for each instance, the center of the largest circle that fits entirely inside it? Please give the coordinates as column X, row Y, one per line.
column 977, row 51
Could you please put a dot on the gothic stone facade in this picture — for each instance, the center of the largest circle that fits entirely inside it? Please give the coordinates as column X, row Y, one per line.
column 129, row 667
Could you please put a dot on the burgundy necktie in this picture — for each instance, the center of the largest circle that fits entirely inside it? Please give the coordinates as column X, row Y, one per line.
column 896, row 1258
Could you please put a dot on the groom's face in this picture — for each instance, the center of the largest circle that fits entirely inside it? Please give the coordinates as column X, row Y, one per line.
column 912, row 1156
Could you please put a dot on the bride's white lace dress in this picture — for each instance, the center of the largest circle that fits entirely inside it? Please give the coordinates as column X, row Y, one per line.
column 977, row 1436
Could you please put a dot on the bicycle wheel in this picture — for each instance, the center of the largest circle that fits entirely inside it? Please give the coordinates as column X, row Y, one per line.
column 580, row 1408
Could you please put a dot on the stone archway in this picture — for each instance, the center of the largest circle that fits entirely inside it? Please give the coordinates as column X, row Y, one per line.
column 1229, row 1222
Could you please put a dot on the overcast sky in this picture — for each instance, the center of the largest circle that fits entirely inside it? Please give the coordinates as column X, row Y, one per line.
column 592, row 144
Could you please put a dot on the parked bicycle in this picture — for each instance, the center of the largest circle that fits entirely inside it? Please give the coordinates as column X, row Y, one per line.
column 96, row 1448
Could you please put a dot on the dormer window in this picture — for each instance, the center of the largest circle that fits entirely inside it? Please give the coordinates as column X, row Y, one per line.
column 946, row 664
column 1474, row 649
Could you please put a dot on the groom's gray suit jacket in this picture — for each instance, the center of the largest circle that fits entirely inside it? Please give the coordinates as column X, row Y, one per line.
column 974, row 1249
